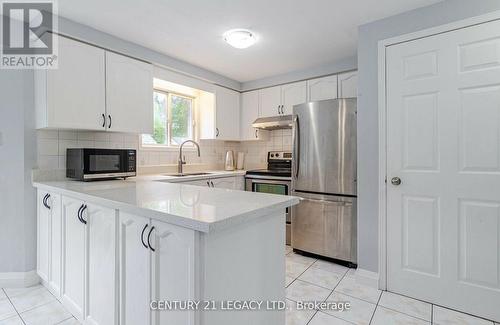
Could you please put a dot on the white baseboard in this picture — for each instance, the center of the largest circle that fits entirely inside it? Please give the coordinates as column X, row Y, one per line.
column 367, row 278
column 18, row 279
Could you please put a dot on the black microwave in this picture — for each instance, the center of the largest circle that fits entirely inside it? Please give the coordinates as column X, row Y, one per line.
column 88, row 164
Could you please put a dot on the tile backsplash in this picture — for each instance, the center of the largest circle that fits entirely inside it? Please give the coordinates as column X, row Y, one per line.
column 52, row 144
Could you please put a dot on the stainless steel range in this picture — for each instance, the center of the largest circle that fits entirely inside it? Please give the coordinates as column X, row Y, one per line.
column 276, row 179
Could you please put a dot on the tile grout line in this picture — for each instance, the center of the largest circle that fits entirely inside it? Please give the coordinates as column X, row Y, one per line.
column 18, row 314
column 376, row 307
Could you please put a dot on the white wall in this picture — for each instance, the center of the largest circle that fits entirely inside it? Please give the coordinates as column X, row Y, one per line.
column 368, row 169
column 17, row 158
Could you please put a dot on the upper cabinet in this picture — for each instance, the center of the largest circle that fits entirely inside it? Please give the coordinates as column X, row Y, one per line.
column 348, row 84
column 129, row 99
column 279, row 100
column 292, row 94
column 249, row 113
column 322, row 88
column 73, row 95
column 93, row 89
column 270, row 101
column 227, row 114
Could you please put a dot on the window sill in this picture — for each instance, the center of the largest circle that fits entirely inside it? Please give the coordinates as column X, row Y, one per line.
column 167, row 149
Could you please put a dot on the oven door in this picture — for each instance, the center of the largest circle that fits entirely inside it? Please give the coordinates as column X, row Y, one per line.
column 108, row 163
column 272, row 186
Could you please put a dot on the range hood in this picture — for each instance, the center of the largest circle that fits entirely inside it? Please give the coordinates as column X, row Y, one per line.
column 274, row 122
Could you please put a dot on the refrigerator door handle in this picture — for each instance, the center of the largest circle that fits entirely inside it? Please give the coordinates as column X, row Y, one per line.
column 296, row 146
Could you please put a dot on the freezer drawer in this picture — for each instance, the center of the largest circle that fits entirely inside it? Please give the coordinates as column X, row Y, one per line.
column 325, row 225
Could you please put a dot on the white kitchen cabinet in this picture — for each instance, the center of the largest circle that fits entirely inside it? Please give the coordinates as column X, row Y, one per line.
column 292, row 94
column 227, row 113
column 102, row 278
column 249, row 113
column 129, row 94
column 49, row 240
column 230, row 182
column 74, row 257
column 173, row 270
column 270, row 101
column 348, row 84
column 156, row 263
column 93, row 89
column 43, row 237
column 73, row 95
column 135, row 271
column 224, row 182
column 322, row 88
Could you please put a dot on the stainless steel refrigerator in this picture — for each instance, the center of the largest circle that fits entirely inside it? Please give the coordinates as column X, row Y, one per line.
column 324, row 175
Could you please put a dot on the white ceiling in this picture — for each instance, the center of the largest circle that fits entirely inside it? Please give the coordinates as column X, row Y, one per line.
column 293, row 34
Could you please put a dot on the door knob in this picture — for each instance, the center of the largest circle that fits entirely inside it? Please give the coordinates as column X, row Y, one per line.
column 396, row 181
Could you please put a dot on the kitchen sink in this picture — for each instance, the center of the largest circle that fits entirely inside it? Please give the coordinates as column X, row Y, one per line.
column 187, row 174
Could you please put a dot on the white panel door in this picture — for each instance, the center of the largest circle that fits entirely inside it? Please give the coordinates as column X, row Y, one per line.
column 173, row 271
column 75, row 90
column 270, row 101
column 293, row 94
column 348, row 84
column 43, row 236
column 135, row 270
column 74, row 261
column 55, row 276
column 102, row 277
column 322, row 88
column 129, row 94
column 443, row 142
column 227, row 112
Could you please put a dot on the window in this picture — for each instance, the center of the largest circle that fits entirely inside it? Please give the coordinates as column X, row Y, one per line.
column 173, row 120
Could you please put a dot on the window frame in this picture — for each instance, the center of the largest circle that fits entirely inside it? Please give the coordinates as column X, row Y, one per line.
column 170, row 146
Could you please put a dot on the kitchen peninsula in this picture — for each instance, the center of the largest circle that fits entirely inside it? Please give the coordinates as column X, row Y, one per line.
column 113, row 251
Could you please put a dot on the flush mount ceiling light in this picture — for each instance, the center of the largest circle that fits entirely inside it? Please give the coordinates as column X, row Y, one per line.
column 240, row 38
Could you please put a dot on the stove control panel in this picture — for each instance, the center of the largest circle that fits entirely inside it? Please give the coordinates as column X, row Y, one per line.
column 279, row 155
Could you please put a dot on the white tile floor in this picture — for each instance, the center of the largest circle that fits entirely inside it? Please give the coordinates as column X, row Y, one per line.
column 307, row 279
column 32, row 306
column 311, row 279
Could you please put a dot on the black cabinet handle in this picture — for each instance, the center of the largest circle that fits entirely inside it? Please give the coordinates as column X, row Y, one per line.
column 81, row 214
column 109, row 126
column 208, row 183
column 46, row 203
column 142, row 236
column 256, row 133
column 212, row 183
column 216, row 132
column 103, row 120
column 149, row 236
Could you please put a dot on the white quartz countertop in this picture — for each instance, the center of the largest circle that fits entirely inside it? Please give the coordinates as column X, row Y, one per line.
column 195, row 207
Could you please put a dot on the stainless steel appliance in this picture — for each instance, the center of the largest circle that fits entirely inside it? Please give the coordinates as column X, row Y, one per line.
column 274, row 122
column 276, row 179
column 324, row 175
column 88, row 164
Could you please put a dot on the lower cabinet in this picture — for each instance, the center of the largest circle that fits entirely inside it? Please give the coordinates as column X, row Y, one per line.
column 89, row 271
column 102, row 275
column 49, row 240
column 232, row 182
column 74, row 251
column 156, row 264
column 110, row 265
